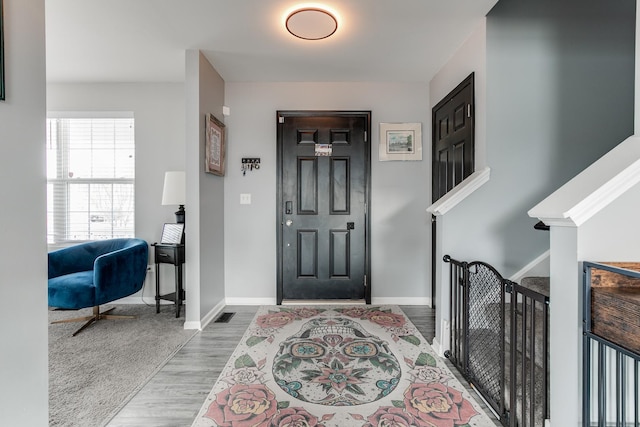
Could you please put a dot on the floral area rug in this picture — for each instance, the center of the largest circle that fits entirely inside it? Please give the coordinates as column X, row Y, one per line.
column 325, row 366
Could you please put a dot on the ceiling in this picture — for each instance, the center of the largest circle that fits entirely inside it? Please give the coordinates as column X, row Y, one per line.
column 245, row 40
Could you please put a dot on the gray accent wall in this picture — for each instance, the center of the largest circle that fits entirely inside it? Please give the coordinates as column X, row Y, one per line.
column 560, row 85
column 559, row 94
column 24, row 390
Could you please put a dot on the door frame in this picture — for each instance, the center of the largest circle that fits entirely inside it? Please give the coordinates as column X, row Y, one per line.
column 282, row 115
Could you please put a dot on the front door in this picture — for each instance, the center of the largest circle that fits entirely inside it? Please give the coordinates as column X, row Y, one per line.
column 323, row 195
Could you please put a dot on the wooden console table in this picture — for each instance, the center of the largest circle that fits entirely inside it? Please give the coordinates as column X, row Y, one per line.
column 170, row 254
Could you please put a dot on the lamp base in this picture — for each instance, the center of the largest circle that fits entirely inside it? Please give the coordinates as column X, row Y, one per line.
column 180, row 214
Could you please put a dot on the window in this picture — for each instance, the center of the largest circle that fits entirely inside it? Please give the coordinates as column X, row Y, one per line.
column 90, row 177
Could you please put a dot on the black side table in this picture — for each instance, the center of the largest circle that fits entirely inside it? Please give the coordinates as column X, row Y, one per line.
column 170, row 254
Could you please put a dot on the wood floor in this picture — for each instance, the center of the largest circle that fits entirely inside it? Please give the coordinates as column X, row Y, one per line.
column 173, row 397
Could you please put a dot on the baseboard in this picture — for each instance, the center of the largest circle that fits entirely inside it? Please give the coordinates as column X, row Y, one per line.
column 401, row 301
column 193, row 325
column 212, row 314
column 375, row 300
column 435, row 345
column 250, row 301
column 525, row 271
column 323, row 302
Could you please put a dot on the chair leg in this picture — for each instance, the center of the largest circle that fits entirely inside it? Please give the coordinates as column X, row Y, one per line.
column 94, row 318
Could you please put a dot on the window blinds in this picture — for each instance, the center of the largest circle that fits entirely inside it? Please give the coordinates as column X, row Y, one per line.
column 90, row 178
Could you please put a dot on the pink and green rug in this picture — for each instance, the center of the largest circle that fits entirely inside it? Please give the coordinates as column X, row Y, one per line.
column 324, row 366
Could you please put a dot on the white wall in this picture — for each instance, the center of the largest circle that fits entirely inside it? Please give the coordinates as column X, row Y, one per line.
column 23, row 263
column 158, row 110
column 400, row 190
column 612, row 234
column 205, row 232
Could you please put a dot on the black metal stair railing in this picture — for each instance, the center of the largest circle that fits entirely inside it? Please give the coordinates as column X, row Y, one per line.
column 497, row 329
column 611, row 372
column 458, row 309
column 529, row 357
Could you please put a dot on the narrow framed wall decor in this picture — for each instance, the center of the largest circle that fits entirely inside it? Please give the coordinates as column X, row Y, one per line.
column 2, row 90
column 214, row 146
column 400, row 141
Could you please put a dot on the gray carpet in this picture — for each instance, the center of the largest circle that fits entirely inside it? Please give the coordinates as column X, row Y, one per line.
column 94, row 373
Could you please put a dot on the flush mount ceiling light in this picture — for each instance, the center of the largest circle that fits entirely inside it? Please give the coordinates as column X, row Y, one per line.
column 311, row 23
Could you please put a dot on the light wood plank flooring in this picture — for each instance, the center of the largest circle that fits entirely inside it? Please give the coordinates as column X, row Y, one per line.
column 173, row 397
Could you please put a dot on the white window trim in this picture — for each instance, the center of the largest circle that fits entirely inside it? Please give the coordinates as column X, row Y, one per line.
column 90, row 115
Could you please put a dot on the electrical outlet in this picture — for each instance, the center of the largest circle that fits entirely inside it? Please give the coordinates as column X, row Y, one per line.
column 245, row 199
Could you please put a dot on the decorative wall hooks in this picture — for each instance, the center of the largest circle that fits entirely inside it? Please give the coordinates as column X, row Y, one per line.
column 250, row 164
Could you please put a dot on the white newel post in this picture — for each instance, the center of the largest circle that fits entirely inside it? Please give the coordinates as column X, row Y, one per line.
column 565, row 328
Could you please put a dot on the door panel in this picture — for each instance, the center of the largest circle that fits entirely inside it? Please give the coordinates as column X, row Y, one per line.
column 307, row 186
column 339, row 254
column 340, row 186
column 323, row 195
column 453, row 150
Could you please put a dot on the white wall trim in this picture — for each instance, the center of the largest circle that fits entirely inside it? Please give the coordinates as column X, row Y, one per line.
column 460, row 192
column 374, row 300
column 250, row 301
column 522, row 273
column 594, row 188
column 193, row 325
column 212, row 314
column 401, row 301
column 437, row 348
column 90, row 114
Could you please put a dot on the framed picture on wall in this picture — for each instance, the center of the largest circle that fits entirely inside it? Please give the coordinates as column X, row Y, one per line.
column 2, row 93
column 214, row 146
column 400, row 141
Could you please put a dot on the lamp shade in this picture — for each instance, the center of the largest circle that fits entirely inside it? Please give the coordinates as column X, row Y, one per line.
column 174, row 188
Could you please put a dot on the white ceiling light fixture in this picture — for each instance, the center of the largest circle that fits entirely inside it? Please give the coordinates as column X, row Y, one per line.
column 311, row 22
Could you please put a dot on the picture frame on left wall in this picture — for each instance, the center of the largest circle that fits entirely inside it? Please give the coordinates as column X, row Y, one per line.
column 214, row 149
column 2, row 90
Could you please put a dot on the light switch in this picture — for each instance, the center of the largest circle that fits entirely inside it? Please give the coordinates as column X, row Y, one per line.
column 245, row 199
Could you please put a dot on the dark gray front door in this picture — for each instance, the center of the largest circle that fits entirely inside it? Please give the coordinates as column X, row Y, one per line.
column 323, row 195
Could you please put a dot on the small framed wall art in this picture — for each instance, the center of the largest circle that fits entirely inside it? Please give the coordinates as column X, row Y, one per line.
column 400, row 141
column 214, row 146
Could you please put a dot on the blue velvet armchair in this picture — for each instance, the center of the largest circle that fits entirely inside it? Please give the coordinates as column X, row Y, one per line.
column 94, row 273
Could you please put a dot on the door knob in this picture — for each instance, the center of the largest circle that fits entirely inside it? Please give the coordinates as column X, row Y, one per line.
column 288, row 223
